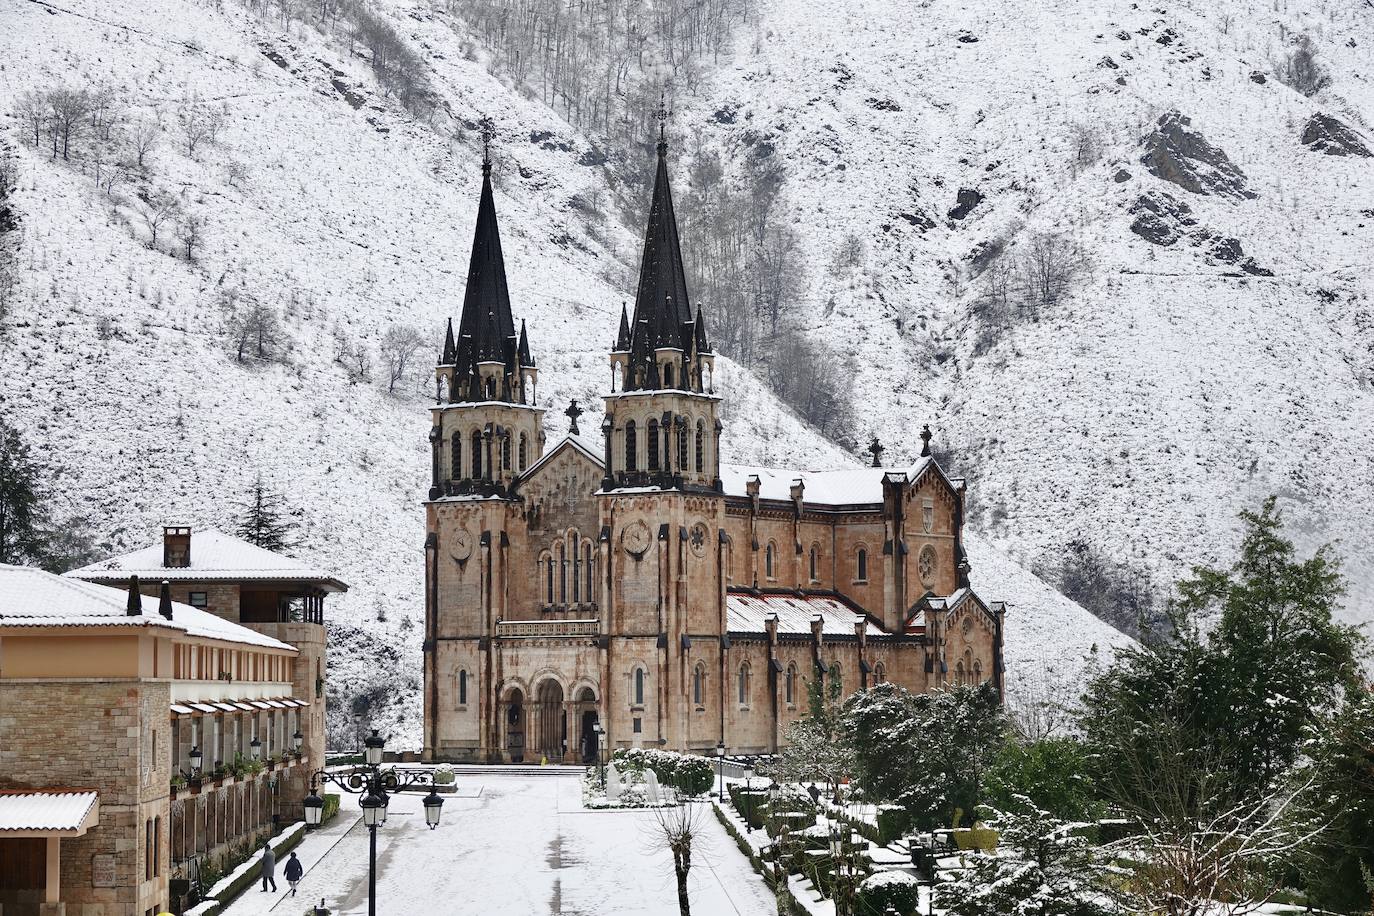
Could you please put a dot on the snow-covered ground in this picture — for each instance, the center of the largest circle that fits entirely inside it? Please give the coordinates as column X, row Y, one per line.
column 511, row 845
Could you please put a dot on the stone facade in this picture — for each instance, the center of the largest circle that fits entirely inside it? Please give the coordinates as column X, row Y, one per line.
column 640, row 584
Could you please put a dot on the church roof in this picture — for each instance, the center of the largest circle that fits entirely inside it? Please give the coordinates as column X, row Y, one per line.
column 748, row 612
column 662, row 310
column 842, row 487
column 34, row 598
column 214, row 556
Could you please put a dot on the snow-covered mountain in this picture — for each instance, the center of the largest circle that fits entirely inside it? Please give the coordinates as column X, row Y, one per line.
column 1165, row 389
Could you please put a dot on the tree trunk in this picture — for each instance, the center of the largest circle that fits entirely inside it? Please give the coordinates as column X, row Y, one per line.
column 682, row 863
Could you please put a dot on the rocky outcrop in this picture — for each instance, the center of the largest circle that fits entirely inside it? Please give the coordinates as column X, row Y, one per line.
column 1180, row 155
column 964, row 203
column 1160, row 218
column 1330, row 135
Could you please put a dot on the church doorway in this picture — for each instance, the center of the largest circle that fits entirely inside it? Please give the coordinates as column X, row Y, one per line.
column 553, row 721
column 514, row 719
column 589, row 742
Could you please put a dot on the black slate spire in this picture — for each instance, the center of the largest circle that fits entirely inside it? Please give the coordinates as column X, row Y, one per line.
column 663, row 313
column 450, row 351
column 622, row 339
column 486, row 322
column 526, row 360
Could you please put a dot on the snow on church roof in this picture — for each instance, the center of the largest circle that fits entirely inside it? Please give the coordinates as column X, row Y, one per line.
column 844, row 487
column 33, row 598
column 214, row 555
column 748, row 613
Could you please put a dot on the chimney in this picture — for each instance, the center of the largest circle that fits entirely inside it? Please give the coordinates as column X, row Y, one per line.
column 134, row 607
column 164, row 603
column 176, row 546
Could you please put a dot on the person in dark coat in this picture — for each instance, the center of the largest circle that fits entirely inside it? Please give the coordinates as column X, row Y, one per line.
column 293, row 872
column 269, row 865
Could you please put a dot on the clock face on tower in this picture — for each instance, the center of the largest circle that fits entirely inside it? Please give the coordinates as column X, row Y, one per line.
column 462, row 545
column 635, row 538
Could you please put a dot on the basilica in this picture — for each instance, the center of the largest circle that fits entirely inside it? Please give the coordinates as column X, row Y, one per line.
column 633, row 590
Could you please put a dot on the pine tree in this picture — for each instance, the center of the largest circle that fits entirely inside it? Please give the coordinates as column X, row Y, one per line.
column 22, row 538
column 265, row 520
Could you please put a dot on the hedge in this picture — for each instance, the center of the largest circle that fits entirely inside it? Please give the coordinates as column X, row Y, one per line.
column 688, row 773
column 885, row 889
column 331, row 808
column 765, row 869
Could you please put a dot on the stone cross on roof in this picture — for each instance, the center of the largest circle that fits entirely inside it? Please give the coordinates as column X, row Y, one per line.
column 877, row 449
column 488, row 129
column 572, row 413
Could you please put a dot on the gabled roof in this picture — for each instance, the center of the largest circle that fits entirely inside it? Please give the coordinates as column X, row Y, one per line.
column 578, row 442
column 949, row 604
column 748, row 612
column 214, row 556
column 33, row 598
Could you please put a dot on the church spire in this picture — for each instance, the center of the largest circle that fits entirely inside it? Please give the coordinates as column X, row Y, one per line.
column 486, row 329
column 663, row 312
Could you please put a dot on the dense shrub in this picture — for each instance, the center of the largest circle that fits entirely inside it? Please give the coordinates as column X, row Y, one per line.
column 885, row 889
column 687, row 773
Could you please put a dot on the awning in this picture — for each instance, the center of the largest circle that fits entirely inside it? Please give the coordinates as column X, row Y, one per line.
column 48, row 812
column 275, row 704
column 244, row 706
column 227, row 707
column 204, row 707
column 260, row 704
column 180, row 710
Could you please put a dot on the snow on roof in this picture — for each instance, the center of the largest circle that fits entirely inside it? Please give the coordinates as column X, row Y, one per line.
column 34, row 598
column 583, row 444
column 842, row 487
column 214, row 555
column 748, row 613
column 49, row 811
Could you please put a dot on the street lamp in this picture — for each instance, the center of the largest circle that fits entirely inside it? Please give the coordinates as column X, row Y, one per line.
column 368, row 781
column 600, row 731
column 720, row 770
column 749, row 796
column 196, row 760
column 255, row 749
column 297, row 740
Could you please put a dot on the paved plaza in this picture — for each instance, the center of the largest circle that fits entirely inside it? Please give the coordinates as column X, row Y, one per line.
column 512, row 845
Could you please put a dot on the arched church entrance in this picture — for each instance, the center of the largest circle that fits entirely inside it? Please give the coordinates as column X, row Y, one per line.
column 553, row 720
column 513, row 725
column 585, row 716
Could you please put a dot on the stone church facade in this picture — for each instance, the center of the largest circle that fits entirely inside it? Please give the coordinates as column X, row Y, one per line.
column 636, row 581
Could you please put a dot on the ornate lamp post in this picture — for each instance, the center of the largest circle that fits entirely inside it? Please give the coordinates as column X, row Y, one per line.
column 600, row 731
column 369, row 781
column 748, row 794
column 720, row 771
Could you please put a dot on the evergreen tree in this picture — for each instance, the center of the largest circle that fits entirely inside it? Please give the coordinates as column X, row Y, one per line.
column 1043, row 866
column 1053, row 773
column 22, row 538
column 265, row 520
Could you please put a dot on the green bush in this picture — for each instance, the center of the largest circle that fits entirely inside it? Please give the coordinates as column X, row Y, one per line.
column 688, row 773
column 893, row 823
column 885, row 889
column 331, row 808
column 751, row 804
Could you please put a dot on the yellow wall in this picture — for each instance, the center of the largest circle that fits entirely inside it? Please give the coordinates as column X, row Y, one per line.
column 64, row 654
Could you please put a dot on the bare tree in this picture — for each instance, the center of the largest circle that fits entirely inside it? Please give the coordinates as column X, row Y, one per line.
column 32, row 109
column 676, row 830
column 157, row 208
column 1050, row 263
column 68, row 110
column 254, row 331
column 144, row 137
column 1302, row 70
column 400, row 344
column 195, row 126
column 192, row 233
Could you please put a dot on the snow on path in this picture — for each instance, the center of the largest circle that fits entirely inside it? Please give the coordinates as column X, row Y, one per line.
column 521, row 846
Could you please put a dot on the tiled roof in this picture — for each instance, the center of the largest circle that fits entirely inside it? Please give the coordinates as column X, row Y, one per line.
column 48, row 811
column 34, row 598
column 214, row 555
column 748, row 613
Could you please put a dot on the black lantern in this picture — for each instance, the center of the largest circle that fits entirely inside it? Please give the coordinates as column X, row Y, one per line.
column 297, row 740
column 433, row 805
column 373, row 745
column 372, row 810
column 255, row 749
column 314, row 809
column 196, row 761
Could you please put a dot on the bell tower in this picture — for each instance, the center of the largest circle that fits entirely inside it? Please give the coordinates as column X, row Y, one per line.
column 661, row 426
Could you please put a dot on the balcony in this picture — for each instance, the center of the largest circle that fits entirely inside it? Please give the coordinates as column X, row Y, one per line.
column 544, row 629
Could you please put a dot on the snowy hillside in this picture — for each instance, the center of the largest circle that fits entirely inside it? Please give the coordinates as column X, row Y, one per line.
column 325, row 202
column 1187, row 368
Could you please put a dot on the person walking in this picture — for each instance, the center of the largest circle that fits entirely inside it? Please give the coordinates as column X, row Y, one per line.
column 293, row 872
column 269, row 864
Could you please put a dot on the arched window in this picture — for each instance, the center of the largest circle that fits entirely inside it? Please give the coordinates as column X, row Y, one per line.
column 815, row 561
column 977, row 672
column 879, row 673
column 631, row 447
column 491, row 388
column 701, row 446
column 682, row 447
column 667, row 375
column 698, row 684
column 462, row 688
column 576, row 572
column 157, row 845
column 861, row 573
column 505, row 452
column 639, row 687
column 562, row 576
column 456, row 455
column 744, row 684
column 587, row 568
column 652, row 443
column 959, row 674
column 522, row 455
column 548, row 578
column 768, row 562
column 790, row 684
column 476, row 454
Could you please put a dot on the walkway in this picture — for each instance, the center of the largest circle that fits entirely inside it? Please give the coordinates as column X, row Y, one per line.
column 513, row 845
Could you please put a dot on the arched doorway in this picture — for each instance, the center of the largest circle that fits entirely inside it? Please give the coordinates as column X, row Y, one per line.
column 553, row 720
column 585, row 717
column 513, row 722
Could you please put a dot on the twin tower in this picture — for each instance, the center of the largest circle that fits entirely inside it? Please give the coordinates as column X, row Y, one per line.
column 661, row 427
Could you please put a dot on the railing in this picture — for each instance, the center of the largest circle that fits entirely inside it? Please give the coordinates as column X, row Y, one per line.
column 527, row 629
